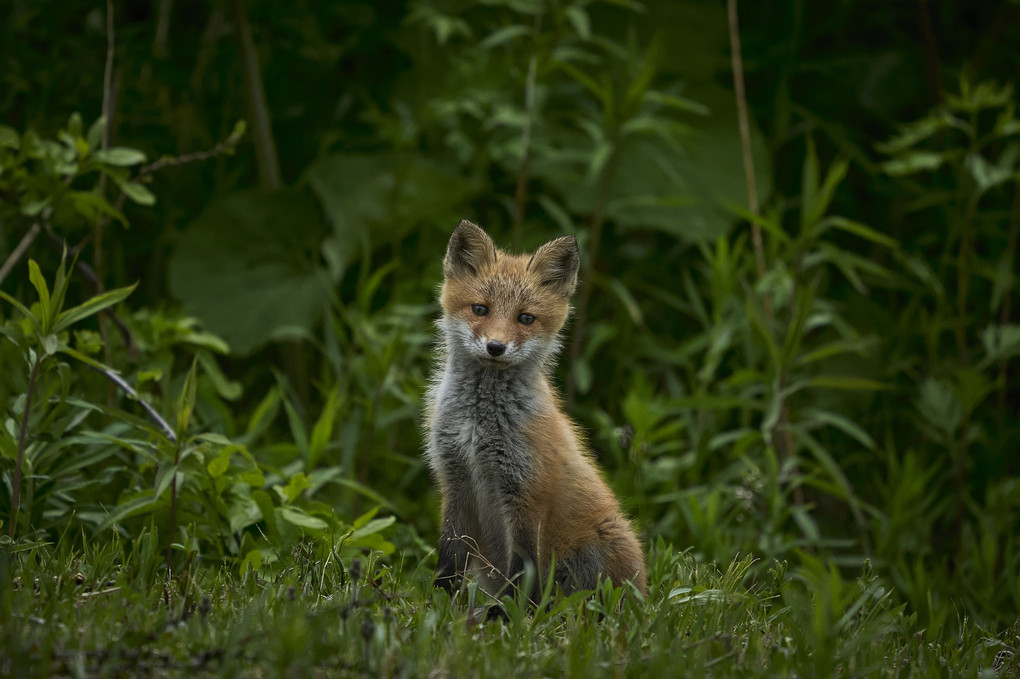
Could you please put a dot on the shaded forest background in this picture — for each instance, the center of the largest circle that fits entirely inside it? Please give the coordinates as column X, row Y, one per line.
column 821, row 369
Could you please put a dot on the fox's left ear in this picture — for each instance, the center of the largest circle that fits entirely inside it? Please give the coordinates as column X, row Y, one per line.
column 556, row 263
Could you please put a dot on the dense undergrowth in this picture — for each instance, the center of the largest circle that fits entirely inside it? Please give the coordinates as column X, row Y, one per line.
column 211, row 392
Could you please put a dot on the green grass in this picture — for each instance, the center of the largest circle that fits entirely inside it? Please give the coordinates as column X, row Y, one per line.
column 112, row 612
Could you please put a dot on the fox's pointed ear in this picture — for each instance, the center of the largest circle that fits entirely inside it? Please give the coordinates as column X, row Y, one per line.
column 556, row 263
column 470, row 249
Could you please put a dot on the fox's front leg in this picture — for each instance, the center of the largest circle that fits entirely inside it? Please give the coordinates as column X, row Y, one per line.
column 452, row 559
column 524, row 557
column 453, row 542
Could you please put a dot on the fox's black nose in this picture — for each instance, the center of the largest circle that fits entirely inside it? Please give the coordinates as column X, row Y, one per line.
column 495, row 348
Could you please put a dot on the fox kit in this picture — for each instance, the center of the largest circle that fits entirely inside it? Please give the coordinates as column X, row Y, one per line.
column 518, row 484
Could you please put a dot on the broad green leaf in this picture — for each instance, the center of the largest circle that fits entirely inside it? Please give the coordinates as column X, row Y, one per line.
column 857, row 346
column 137, row 192
column 844, row 382
column 9, row 137
column 46, row 312
column 249, row 265
column 1000, row 342
column 939, row 407
column 913, row 133
column 578, row 18
column 253, row 559
column 166, row 475
column 94, row 305
column 227, row 389
column 323, row 429
column 186, row 400
column 50, row 344
column 94, row 136
column 986, row 175
column 503, row 35
column 137, row 505
column 219, row 465
column 708, row 402
column 242, row 511
column 678, row 103
column 22, row 308
column 90, row 205
column 264, row 414
column 364, row 490
column 298, row 517
column 857, row 229
column 913, row 162
column 841, row 422
column 118, row 156
column 292, row 491
column 265, row 505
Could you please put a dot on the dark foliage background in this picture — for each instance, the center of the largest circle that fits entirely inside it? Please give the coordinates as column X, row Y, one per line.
column 848, row 393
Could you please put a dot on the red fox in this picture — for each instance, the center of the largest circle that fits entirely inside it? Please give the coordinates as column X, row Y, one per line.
column 518, row 484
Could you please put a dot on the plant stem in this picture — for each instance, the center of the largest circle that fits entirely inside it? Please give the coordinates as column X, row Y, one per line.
column 745, row 133
column 753, row 207
column 963, row 276
column 598, row 219
column 173, row 521
column 97, row 243
column 19, row 250
column 262, row 131
column 16, row 494
column 1014, row 231
column 529, row 108
column 932, row 66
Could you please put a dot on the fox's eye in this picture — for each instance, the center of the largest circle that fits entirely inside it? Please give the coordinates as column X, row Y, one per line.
column 480, row 309
column 526, row 319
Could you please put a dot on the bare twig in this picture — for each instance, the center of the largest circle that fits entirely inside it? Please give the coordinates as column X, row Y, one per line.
column 108, row 105
column 262, row 131
column 753, row 206
column 108, row 76
column 19, row 251
column 120, row 382
column 529, row 109
column 226, row 146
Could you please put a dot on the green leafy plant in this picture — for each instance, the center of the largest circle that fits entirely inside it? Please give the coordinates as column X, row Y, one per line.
column 46, row 337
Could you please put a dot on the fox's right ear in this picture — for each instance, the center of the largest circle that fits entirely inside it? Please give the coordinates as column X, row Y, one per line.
column 470, row 249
